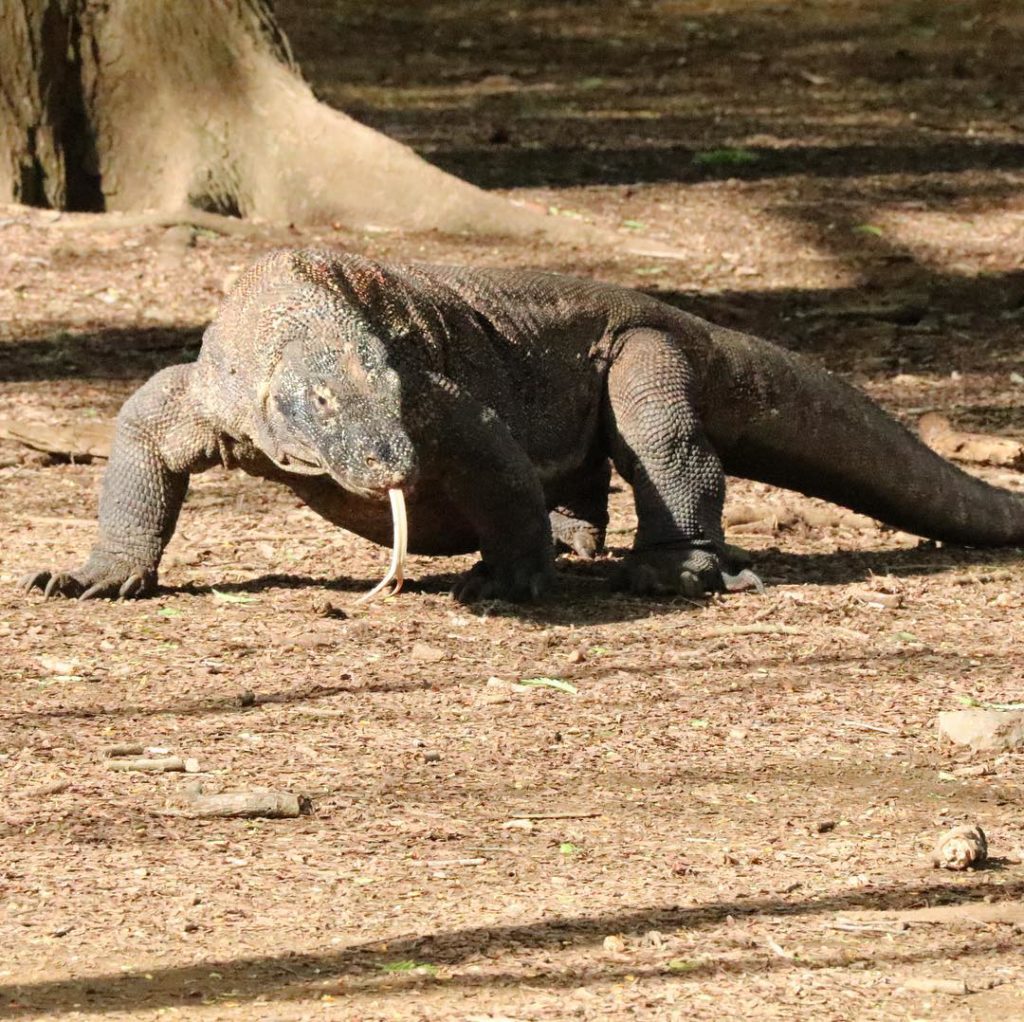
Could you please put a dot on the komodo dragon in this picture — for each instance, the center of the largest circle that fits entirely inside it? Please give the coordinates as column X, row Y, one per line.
column 495, row 401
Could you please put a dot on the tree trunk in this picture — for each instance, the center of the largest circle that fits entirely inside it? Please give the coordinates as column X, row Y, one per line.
column 164, row 104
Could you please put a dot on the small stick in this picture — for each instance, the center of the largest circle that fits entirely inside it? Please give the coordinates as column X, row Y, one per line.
column 124, row 749
column 443, row 863
column 862, row 726
column 42, row 790
column 249, row 804
column 547, row 816
column 755, row 629
column 852, row 926
column 166, row 764
column 978, row 770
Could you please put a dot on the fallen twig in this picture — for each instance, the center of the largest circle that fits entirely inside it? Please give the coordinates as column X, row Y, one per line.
column 589, row 814
column 42, row 790
column 860, row 725
column 448, row 863
column 165, row 764
column 852, row 926
column 124, row 749
column 755, row 629
column 249, row 804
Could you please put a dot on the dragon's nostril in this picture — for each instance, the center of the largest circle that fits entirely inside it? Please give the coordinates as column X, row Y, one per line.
column 371, row 461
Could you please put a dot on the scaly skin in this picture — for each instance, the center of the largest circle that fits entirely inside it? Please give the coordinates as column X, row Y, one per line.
column 496, row 400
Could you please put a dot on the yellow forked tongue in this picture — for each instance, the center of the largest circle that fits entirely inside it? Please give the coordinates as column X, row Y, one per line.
column 399, row 549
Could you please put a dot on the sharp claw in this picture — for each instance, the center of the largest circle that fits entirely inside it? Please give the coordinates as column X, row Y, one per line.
column 33, row 580
column 585, row 547
column 130, row 587
column 742, row 581
column 92, row 591
column 51, row 586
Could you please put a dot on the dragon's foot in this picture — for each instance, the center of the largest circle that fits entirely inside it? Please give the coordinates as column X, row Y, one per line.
column 99, row 578
column 685, row 571
column 583, row 538
column 517, row 582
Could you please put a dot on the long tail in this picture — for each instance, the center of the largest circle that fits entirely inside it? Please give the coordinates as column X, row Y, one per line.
column 778, row 419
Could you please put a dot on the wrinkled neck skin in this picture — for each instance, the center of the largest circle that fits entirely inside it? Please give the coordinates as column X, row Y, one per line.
column 311, row 386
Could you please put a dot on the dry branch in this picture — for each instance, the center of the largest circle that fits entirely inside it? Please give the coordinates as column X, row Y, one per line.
column 80, row 442
column 250, row 804
column 978, row 448
column 124, row 749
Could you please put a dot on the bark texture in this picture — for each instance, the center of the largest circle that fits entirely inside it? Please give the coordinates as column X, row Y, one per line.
column 122, row 105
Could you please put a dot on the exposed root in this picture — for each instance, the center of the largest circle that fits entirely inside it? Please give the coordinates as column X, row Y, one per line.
column 190, row 216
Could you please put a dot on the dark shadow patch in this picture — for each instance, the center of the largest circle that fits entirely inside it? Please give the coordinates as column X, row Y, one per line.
column 292, row 977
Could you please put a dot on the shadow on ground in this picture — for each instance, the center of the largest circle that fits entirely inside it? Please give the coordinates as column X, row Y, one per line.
column 363, row 967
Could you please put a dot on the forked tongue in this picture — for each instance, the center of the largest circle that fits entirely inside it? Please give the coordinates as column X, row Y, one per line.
column 399, row 549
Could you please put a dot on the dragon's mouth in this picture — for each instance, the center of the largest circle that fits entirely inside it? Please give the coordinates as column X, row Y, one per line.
column 399, row 549
column 290, row 461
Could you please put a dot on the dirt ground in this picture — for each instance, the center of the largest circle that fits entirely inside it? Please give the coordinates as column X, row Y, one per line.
column 729, row 806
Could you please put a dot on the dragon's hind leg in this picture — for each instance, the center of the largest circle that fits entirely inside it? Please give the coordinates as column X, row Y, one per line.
column 659, row 447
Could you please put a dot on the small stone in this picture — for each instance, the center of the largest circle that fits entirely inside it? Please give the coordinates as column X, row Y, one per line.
column 824, row 826
column 192, row 766
column 518, row 824
column 178, row 236
column 247, row 698
column 614, row 944
column 426, row 653
column 431, row 757
column 323, row 606
column 961, row 848
column 316, row 639
column 984, row 729
column 577, row 656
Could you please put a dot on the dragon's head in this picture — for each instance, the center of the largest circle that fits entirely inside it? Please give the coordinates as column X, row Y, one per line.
column 335, row 405
column 293, row 363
